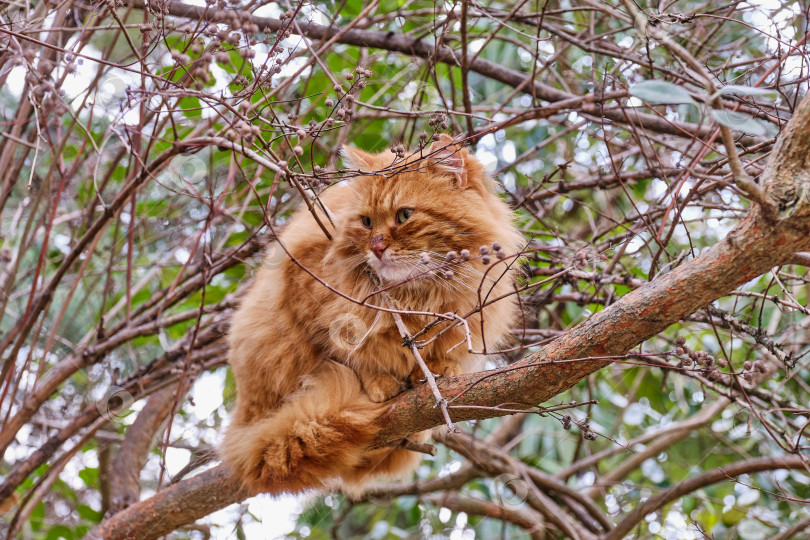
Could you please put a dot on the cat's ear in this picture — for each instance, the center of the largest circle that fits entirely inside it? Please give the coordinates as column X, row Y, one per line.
column 354, row 158
column 449, row 157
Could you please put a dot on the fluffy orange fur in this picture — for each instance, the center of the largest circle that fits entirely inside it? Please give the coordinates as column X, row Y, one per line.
column 313, row 369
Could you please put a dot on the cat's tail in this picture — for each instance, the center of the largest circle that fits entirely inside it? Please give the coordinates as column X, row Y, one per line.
column 319, row 436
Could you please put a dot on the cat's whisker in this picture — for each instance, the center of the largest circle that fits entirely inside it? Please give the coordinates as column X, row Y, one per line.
column 450, row 284
column 351, row 269
column 460, row 267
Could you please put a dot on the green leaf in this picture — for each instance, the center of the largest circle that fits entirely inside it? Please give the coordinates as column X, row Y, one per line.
column 59, row 531
column 740, row 122
column 89, row 514
column 733, row 516
column 746, row 91
column 660, row 92
column 190, row 106
column 37, row 517
column 89, row 476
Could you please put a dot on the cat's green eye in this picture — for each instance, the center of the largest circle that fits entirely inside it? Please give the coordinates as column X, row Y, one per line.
column 404, row 214
column 366, row 221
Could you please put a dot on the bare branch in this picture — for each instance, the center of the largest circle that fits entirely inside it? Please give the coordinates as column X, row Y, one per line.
column 694, row 483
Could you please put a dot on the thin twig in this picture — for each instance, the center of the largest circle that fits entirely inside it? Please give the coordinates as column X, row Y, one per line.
column 429, row 377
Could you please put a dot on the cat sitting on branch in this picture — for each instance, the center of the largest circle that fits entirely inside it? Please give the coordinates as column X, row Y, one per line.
column 315, row 346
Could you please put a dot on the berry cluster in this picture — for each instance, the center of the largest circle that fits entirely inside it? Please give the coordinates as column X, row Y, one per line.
column 711, row 366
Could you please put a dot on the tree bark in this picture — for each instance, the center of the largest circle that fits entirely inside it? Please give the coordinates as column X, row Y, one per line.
column 125, row 485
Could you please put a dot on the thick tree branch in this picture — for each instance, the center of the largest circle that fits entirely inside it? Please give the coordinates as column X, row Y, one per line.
column 177, row 505
column 125, row 486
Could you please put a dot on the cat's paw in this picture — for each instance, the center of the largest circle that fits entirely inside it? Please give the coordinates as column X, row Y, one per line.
column 381, row 387
column 438, row 369
column 446, row 369
column 451, row 370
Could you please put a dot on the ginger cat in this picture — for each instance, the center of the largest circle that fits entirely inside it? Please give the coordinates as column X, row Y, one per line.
column 313, row 369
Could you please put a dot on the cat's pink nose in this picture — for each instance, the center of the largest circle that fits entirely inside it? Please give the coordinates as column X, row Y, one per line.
column 378, row 246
